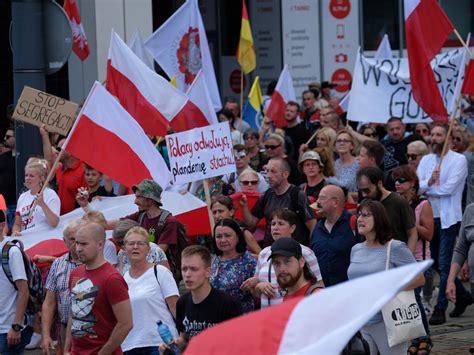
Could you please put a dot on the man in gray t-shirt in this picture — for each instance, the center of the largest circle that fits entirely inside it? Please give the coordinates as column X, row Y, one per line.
column 281, row 194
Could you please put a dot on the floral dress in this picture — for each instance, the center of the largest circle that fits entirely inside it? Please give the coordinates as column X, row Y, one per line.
column 228, row 275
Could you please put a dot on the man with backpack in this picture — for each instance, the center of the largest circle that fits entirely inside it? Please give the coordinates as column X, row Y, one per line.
column 15, row 333
column 281, row 194
column 164, row 229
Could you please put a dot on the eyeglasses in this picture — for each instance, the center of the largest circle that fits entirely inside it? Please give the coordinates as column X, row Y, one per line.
column 138, row 243
column 269, row 146
column 401, row 180
column 420, row 131
column 343, row 141
column 364, row 214
column 412, row 156
column 249, row 182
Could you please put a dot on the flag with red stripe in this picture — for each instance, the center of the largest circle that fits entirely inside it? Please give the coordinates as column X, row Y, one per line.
column 468, row 85
column 427, row 28
column 106, row 137
column 284, row 92
column 154, row 102
column 322, row 323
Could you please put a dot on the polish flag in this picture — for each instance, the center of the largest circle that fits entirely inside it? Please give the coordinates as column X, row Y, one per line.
column 148, row 97
column 198, row 94
column 106, row 137
column 137, row 47
column 427, row 28
column 284, row 92
column 80, row 46
column 322, row 323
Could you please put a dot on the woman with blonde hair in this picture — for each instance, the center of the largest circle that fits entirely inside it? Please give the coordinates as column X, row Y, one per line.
column 35, row 208
column 347, row 165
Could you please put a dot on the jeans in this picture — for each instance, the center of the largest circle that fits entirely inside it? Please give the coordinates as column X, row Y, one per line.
column 447, row 240
column 149, row 350
column 18, row 349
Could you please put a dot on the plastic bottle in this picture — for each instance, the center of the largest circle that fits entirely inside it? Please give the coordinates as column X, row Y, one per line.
column 167, row 337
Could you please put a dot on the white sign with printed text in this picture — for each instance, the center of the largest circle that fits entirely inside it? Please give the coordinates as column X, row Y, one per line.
column 201, row 153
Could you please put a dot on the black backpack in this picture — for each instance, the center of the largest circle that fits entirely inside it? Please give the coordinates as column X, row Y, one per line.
column 33, row 276
column 182, row 242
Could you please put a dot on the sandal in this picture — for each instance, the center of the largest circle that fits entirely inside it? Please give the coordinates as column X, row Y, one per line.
column 413, row 349
column 424, row 347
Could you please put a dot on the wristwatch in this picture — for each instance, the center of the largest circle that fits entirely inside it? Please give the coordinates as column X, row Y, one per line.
column 17, row 327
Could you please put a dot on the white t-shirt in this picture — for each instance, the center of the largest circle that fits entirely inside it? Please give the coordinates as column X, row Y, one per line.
column 110, row 252
column 147, row 296
column 8, row 294
column 25, row 203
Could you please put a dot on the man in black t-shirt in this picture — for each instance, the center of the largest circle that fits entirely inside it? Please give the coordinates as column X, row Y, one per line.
column 295, row 131
column 202, row 307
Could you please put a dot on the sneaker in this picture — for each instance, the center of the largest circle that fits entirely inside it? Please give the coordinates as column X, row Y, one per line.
column 460, row 306
column 35, row 342
column 438, row 317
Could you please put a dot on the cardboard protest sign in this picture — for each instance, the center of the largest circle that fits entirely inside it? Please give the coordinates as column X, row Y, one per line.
column 201, row 153
column 40, row 108
column 382, row 89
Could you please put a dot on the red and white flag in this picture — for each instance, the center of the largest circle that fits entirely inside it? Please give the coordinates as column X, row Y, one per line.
column 427, row 28
column 284, row 92
column 322, row 323
column 198, row 93
column 138, row 47
column 80, row 46
column 106, row 137
column 468, row 85
column 180, row 47
column 153, row 101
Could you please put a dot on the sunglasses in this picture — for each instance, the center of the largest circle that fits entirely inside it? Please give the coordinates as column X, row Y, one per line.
column 268, row 146
column 419, row 131
column 249, row 182
column 343, row 141
column 457, row 139
column 412, row 156
column 401, row 180
column 371, row 135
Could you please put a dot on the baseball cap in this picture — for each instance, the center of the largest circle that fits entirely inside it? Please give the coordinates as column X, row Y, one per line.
column 286, row 247
column 311, row 155
column 149, row 189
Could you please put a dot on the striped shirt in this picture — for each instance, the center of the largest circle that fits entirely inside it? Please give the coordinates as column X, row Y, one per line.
column 58, row 283
column 262, row 273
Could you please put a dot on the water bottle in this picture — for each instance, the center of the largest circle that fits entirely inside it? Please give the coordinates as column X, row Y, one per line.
column 167, row 337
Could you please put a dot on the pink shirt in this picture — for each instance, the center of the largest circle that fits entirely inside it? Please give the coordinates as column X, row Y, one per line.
column 419, row 244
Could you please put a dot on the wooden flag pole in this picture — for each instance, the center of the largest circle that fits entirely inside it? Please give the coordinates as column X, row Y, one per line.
column 312, row 137
column 207, row 194
column 462, row 42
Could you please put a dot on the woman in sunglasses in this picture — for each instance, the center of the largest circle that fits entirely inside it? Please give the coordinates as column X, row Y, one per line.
column 415, row 151
column 407, row 185
column 153, row 296
column 460, row 139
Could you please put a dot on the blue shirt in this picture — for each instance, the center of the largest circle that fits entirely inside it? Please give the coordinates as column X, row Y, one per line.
column 333, row 249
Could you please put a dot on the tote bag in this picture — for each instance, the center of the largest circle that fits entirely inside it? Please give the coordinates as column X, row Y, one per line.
column 402, row 316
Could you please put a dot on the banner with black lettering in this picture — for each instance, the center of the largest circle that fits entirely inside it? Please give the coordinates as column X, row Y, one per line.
column 381, row 88
column 201, row 153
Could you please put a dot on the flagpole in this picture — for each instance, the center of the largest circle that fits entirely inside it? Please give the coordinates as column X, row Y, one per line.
column 241, row 98
column 450, row 128
column 462, row 42
column 207, row 194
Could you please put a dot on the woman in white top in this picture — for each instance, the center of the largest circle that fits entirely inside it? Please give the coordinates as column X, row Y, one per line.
column 153, row 295
column 46, row 206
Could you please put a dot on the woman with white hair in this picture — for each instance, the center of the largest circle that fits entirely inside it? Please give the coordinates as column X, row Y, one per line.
column 415, row 151
column 35, row 208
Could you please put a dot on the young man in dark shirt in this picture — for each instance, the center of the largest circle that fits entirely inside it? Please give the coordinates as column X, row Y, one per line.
column 202, row 307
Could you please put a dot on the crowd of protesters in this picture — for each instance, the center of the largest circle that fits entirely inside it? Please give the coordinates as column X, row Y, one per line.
column 319, row 201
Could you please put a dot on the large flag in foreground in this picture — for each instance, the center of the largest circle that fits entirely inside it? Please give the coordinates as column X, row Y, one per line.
column 180, row 47
column 284, row 92
column 321, row 323
column 252, row 111
column 107, row 138
column 187, row 208
column 153, row 101
column 80, row 46
column 245, row 51
column 468, row 85
column 427, row 28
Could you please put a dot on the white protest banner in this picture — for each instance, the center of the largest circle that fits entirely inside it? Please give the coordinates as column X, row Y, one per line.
column 201, row 153
column 381, row 88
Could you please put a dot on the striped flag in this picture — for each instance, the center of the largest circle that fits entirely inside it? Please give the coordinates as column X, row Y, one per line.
column 252, row 111
column 106, row 137
column 245, row 51
column 284, row 92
